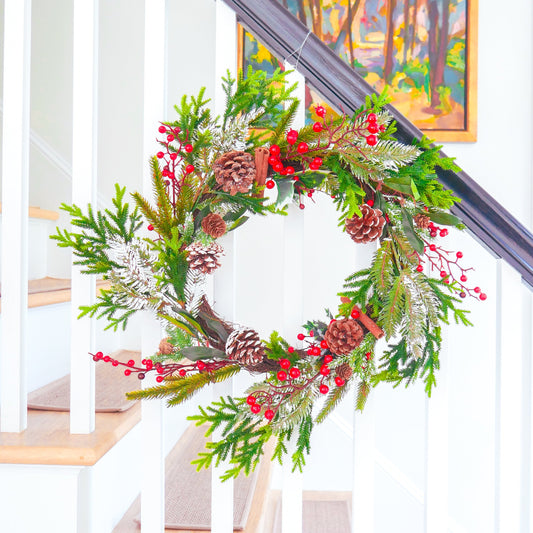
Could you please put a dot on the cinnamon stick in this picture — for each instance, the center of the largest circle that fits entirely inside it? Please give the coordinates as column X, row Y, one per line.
column 365, row 320
column 261, row 165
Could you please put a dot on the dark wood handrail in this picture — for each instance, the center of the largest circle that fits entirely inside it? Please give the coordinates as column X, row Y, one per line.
column 283, row 34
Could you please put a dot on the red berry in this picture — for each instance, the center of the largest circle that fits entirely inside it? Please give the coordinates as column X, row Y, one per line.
column 302, row 148
column 182, row 372
column 170, row 138
column 370, row 203
column 301, row 336
column 443, row 232
column 173, row 156
column 294, row 372
column 324, row 370
column 177, row 130
column 312, row 333
column 317, row 161
column 443, row 273
column 99, row 355
column 162, row 129
column 482, row 296
column 317, row 127
column 462, row 294
column 310, row 194
column 282, row 375
column 159, row 379
column 320, row 110
column 419, row 268
column 127, row 372
column 115, row 363
column 290, row 349
column 160, row 155
column 255, row 408
column 275, row 150
column 372, row 127
column 463, row 278
column 371, row 140
column 284, row 363
column 141, row 375
column 323, row 389
column 477, row 290
column 302, row 206
column 355, row 314
column 324, row 344
column 150, row 227
column 314, row 166
column 316, row 350
column 368, row 356
column 328, row 359
column 432, row 247
column 149, row 364
column 270, row 184
column 290, row 170
column 131, row 362
column 284, row 172
column 278, row 166
column 382, row 127
column 189, row 169
column 269, row 414
column 433, row 233
column 189, row 148
column 459, row 255
column 292, row 136
column 200, row 365
column 339, row 381
column 310, row 351
column 272, row 160
column 250, row 400
column 107, row 359
column 372, row 117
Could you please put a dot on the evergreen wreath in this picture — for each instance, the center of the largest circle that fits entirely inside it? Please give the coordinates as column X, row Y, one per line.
column 208, row 178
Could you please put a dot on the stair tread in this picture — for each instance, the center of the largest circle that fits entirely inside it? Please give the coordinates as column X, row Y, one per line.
column 189, row 510
column 37, row 212
column 48, row 291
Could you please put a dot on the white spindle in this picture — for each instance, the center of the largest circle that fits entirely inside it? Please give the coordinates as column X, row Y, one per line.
column 436, row 509
column 84, row 161
column 15, row 150
column 225, row 59
column 509, row 395
column 153, row 481
column 293, row 299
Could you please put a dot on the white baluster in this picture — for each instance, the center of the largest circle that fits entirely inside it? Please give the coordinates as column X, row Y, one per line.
column 15, row 150
column 293, row 318
column 225, row 59
column 84, row 161
column 509, row 397
column 153, row 481
column 436, row 508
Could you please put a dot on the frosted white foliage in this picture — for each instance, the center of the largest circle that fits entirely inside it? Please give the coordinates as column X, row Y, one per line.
column 392, row 155
column 194, row 291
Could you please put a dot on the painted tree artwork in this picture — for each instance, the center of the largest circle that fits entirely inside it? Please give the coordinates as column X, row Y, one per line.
column 422, row 50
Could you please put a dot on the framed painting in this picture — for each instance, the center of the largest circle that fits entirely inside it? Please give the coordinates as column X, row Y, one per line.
column 424, row 51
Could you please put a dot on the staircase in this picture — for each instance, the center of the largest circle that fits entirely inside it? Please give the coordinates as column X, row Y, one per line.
column 406, row 464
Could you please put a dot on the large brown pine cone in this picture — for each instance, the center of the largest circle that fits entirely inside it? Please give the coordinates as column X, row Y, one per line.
column 344, row 371
column 343, row 336
column 422, row 221
column 245, row 347
column 204, row 258
column 214, row 225
column 367, row 228
column 235, row 171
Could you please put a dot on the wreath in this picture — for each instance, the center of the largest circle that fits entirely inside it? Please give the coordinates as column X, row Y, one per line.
column 208, row 177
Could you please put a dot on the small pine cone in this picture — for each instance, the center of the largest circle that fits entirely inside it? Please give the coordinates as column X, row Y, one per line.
column 422, row 221
column 165, row 348
column 343, row 336
column 214, row 225
column 367, row 228
column 245, row 347
column 235, row 171
column 344, row 371
column 204, row 258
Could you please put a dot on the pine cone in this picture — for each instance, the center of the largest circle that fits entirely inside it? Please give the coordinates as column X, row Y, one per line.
column 165, row 348
column 367, row 228
column 245, row 347
column 204, row 258
column 422, row 221
column 235, row 171
column 214, row 225
column 344, row 371
column 343, row 336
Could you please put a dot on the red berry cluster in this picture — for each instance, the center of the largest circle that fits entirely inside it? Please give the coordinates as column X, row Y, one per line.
column 163, row 369
column 446, row 263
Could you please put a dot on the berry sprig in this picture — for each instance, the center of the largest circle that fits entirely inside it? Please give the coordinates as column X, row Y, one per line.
column 163, row 370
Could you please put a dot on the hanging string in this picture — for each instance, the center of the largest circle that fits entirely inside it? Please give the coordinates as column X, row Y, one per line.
column 299, row 50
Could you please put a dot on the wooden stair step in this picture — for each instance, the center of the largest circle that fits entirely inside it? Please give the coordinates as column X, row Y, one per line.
column 37, row 212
